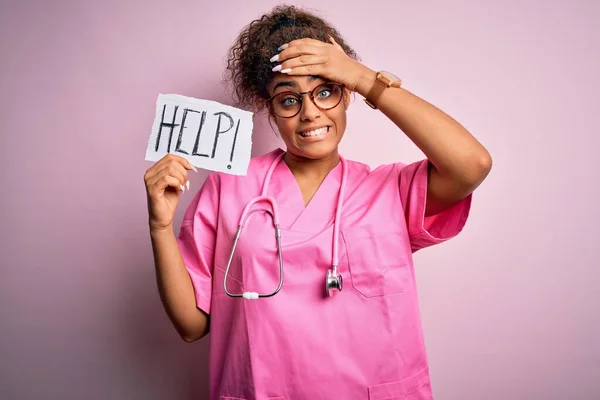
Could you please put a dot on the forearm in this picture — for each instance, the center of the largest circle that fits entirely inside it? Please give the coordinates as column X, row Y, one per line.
column 451, row 149
column 175, row 287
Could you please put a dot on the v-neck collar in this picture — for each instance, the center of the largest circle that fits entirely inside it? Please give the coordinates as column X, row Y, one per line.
column 294, row 215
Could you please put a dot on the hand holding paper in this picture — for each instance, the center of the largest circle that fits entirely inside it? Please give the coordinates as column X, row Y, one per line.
column 165, row 182
column 208, row 134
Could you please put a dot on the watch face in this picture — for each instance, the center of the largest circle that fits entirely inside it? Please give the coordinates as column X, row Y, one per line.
column 390, row 76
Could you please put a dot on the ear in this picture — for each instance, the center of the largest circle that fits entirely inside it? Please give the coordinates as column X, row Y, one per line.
column 346, row 98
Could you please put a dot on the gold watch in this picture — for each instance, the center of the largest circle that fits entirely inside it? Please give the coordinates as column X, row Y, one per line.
column 383, row 80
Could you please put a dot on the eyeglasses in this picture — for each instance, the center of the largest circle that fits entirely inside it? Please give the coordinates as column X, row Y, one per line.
column 325, row 97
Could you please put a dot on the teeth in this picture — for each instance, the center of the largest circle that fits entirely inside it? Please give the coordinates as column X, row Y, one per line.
column 316, row 132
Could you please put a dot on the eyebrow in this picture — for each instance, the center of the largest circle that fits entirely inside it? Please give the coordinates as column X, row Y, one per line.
column 293, row 84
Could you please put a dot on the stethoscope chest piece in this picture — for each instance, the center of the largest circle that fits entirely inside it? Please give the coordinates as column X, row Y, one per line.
column 333, row 282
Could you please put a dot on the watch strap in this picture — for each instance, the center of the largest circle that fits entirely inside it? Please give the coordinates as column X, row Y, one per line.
column 375, row 93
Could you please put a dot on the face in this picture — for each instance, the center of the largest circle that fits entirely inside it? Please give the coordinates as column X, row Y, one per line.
column 312, row 133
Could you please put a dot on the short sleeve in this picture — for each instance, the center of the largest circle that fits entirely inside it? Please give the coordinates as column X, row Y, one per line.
column 427, row 231
column 197, row 239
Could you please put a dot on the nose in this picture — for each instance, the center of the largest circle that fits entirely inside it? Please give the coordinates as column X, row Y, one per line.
column 309, row 111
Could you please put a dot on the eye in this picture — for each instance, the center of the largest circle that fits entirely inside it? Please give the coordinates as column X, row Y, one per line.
column 324, row 93
column 289, row 101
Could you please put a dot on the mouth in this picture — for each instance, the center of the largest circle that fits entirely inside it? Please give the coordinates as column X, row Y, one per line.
column 315, row 132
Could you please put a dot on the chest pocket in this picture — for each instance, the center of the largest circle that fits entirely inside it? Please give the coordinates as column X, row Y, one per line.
column 378, row 260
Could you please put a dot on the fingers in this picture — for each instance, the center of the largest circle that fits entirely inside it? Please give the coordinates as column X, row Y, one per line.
column 300, row 47
column 169, row 158
column 303, row 46
column 172, row 166
column 313, row 69
column 295, row 51
column 305, row 41
column 337, row 46
column 174, row 170
column 303, row 56
column 312, row 61
column 157, row 189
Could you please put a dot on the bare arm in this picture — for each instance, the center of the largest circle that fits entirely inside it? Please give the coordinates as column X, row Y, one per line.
column 165, row 182
column 459, row 163
column 175, row 287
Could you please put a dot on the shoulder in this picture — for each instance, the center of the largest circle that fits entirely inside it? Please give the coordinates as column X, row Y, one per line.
column 361, row 171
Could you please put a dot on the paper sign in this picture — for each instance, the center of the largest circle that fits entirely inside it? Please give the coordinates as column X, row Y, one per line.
column 210, row 135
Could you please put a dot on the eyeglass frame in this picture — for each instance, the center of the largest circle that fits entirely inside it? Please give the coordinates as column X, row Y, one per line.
column 311, row 96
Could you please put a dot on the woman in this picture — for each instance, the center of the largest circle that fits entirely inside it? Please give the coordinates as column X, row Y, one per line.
column 365, row 341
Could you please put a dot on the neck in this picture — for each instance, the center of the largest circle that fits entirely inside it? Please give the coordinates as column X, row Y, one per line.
column 311, row 168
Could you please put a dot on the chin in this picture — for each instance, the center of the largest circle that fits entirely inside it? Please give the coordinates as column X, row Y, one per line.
column 315, row 151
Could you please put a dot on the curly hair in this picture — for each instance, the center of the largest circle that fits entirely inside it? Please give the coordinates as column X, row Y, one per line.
column 248, row 66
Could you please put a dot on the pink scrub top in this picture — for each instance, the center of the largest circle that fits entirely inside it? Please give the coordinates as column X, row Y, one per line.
column 365, row 342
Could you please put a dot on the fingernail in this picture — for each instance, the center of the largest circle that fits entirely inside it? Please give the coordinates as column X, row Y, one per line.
column 283, row 47
column 277, row 68
column 182, row 188
column 187, row 185
column 192, row 167
column 274, row 58
column 286, row 71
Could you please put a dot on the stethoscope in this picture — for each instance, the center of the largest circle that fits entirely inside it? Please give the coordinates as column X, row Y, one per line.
column 333, row 280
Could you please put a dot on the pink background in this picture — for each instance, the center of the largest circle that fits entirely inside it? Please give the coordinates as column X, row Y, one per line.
column 510, row 308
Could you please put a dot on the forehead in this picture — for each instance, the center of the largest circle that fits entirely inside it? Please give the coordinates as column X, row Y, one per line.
column 282, row 82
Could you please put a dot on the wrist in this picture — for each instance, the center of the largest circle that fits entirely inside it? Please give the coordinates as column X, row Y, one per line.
column 365, row 81
column 158, row 233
